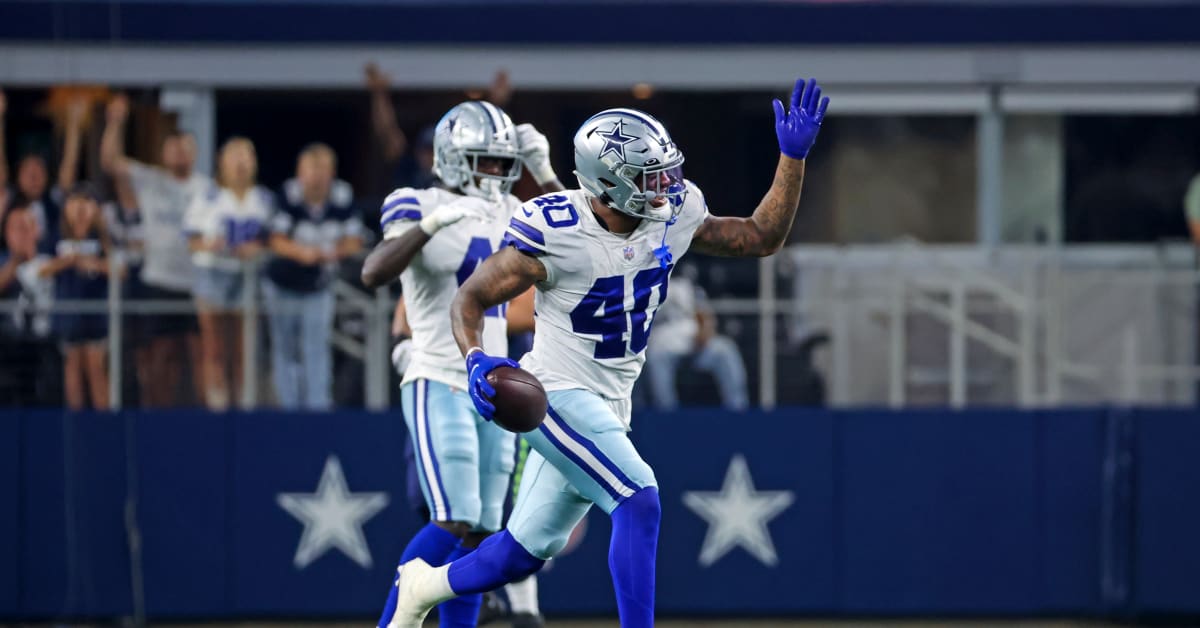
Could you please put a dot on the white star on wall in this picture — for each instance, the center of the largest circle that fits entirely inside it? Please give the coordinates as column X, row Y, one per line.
column 333, row 517
column 738, row 515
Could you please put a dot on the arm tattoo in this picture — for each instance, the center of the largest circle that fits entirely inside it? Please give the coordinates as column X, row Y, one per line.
column 498, row 279
column 765, row 231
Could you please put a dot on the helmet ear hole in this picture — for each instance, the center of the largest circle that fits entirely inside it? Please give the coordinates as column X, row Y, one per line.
column 607, row 183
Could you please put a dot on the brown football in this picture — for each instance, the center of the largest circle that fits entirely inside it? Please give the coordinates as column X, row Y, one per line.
column 520, row 399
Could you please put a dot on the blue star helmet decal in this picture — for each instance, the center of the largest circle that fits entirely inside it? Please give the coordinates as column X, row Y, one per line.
column 615, row 141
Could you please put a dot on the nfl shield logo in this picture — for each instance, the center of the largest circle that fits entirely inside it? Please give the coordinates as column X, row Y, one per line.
column 628, row 252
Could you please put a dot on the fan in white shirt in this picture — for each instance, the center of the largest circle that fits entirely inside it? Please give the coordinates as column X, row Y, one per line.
column 157, row 197
column 225, row 230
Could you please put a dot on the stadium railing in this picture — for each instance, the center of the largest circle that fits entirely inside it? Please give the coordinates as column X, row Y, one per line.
column 894, row 325
column 907, row 324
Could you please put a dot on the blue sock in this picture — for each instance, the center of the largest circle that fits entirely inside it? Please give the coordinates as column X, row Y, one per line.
column 431, row 544
column 631, row 556
column 462, row 611
column 496, row 562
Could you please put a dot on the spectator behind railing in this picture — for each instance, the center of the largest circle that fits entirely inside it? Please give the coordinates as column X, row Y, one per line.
column 315, row 228
column 1191, row 207
column 123, row 224
column 404, row 167
column 225, row 231
column 33, row 190
column 686, row 327
column 30, row 365
column 161, row 197
column 80, row 270
column 392, row 143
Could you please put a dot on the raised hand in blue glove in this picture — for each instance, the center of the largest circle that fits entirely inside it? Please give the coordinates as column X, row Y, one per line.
column 479, row 364
column 797, row 127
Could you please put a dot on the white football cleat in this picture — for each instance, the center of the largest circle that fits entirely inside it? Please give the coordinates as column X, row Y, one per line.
column 420, row 588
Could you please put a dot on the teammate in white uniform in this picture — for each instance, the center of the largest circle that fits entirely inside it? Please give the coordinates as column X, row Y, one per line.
column 464, row 461
column 600, row 258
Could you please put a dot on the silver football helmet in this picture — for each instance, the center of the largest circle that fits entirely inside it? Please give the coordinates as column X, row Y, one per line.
column 471, row 132
column 626, row 158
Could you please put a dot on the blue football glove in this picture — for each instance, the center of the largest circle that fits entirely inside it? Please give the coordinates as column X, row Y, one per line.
column 797, row 128
column 479, row 364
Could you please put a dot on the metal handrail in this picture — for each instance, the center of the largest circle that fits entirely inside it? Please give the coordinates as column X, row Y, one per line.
column 971, row 276
column 1033, row 332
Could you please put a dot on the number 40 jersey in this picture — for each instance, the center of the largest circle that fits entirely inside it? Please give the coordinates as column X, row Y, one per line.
column 596, row 305
column 434, row 275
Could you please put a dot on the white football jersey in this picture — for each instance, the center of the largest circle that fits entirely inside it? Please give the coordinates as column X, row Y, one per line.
column 595, row 308
column 220, row 215
column 434, row 275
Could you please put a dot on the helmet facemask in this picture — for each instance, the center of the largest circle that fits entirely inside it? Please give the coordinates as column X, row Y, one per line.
column 491, row 183
column 656, row 182
column 649, row 183
column 462, row 170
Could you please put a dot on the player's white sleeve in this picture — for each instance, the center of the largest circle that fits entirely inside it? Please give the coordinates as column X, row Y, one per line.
column 401, row 211
column 694, row 213
column 527, row 232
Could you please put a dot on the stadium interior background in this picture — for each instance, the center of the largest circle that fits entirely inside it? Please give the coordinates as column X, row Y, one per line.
column 970, row 378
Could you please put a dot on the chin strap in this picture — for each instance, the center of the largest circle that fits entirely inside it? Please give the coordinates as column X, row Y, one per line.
column 663, row 252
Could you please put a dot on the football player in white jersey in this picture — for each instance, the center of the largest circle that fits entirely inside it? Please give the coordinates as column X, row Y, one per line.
column 464, row 462
column 600, row 258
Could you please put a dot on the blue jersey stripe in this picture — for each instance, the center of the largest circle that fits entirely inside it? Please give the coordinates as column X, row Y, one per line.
column 521, row 245
column 399, row 214
column 529, row 231
column 403, row 200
